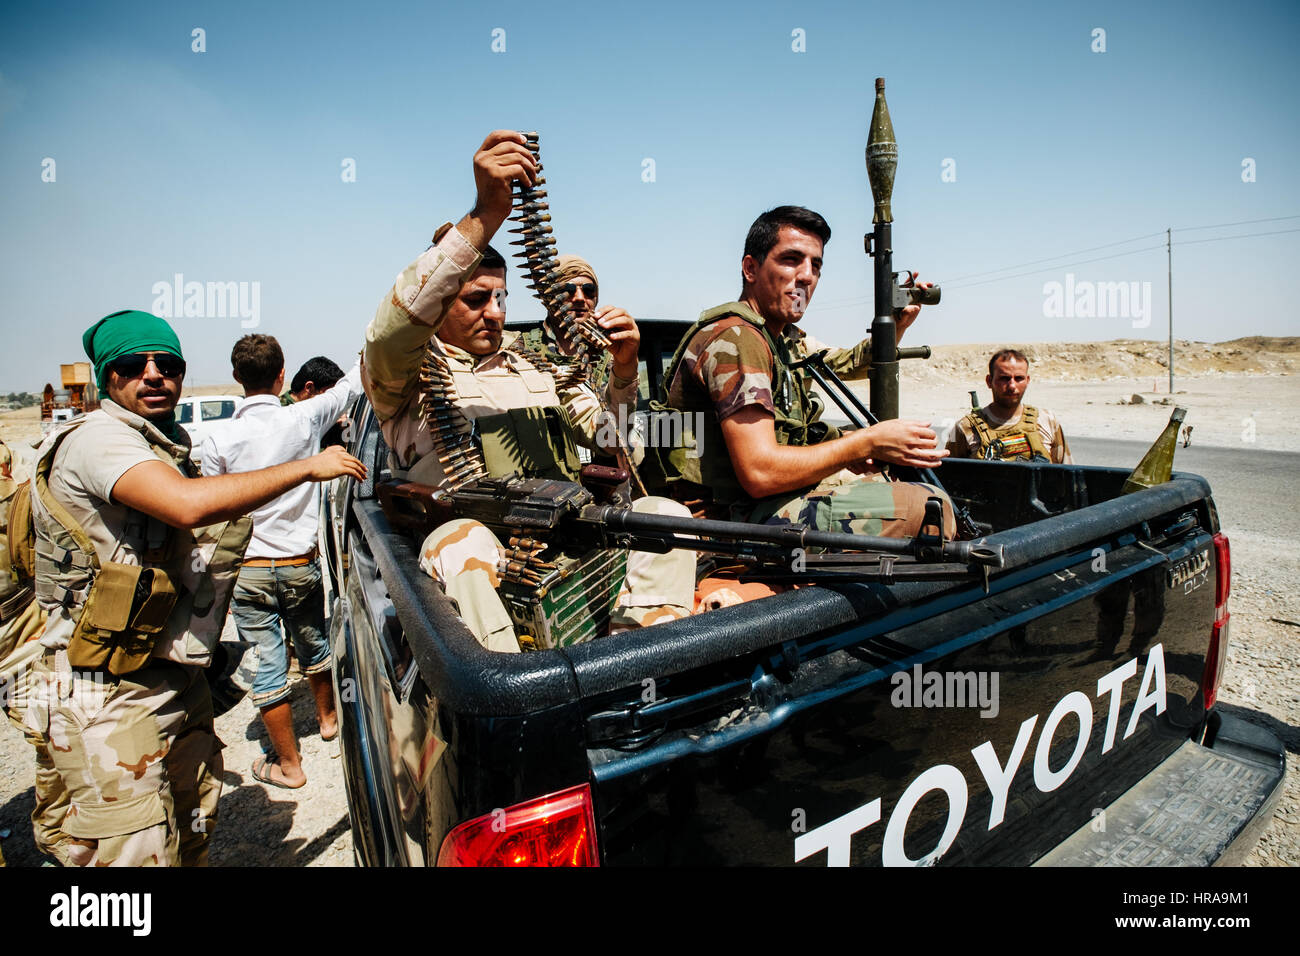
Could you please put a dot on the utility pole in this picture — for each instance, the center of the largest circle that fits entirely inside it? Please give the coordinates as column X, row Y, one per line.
column 1169, row 252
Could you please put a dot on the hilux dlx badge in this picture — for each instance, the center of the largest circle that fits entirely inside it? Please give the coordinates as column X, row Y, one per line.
column 1191, row 573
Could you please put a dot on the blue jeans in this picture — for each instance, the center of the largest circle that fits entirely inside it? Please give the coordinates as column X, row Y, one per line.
column 264, row 599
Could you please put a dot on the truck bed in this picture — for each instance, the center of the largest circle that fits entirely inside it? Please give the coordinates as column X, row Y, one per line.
column 796, row 729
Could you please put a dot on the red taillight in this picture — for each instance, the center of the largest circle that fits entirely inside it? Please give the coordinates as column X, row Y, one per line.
column 556, row 830
column 1216, row 658
column 1223, row 577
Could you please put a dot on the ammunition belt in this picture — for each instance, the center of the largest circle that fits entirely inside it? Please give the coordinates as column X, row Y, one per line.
column 537, row 256
column 453, row 440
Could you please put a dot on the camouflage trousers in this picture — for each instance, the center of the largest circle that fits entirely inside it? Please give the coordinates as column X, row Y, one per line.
column 854, row 504
column 15, row 692
column 463, row 555
column 137, row 756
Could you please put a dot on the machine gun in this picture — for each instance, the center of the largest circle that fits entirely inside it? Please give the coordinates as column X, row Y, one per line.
column 566, row 552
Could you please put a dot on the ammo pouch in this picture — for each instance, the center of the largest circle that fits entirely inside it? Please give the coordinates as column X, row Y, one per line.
column 532, row 442
column 126, row 609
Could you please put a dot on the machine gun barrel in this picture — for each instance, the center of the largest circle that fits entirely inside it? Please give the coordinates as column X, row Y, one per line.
column 786, row 537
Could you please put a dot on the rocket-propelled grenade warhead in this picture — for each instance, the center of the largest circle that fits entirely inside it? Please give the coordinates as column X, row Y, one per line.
column 882, row 156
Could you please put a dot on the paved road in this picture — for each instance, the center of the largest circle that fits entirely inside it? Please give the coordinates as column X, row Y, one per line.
column 1257, row 492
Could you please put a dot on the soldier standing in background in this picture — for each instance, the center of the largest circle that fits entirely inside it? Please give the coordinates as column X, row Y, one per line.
column 1006, row 429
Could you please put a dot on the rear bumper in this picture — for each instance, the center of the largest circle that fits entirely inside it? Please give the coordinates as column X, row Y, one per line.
column 1207, row 804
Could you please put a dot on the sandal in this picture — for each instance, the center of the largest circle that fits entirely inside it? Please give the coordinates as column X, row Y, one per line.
column 262, row 773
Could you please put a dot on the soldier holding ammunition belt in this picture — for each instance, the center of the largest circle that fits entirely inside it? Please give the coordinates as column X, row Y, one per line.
column 764, row 454
column 135, row 559
column 1006, row 429
column 578, row 278
column 438, row 365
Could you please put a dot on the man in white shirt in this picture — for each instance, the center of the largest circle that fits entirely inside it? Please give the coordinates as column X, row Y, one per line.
column 280, row 582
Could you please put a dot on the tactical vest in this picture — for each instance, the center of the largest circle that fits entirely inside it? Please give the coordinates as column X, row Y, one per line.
column 707, row 471
column 1020, row 441
column 177, row 591
column 532, row 441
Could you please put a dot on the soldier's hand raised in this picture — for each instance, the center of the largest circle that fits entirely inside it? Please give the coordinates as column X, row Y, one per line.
column 334, row 462
column 502, row 159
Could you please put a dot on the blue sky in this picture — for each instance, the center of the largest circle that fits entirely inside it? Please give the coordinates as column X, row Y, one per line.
column 225, row 165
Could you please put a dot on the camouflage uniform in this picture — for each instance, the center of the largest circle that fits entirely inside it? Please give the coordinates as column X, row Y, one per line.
column 463, row 555
column 137, row 753
column 20, row 625
column 729, row 361
column 965, row 441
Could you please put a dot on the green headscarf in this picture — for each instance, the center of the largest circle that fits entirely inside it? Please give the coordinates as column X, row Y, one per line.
column 123, row 333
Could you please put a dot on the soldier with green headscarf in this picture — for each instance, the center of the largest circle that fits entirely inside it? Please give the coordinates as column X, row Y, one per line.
column 135, row 561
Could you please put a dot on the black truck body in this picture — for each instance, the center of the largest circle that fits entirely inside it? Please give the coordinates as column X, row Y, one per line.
column 1059, row 712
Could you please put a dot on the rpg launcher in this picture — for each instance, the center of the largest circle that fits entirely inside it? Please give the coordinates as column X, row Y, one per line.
column 538, row 518
column 891, row 295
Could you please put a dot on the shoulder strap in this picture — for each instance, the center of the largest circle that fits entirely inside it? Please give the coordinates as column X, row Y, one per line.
column 1029, row 422
column 56, row 510
column 731, row 315
column 982, row 426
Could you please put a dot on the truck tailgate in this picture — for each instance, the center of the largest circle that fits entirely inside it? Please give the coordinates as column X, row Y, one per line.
column 818, row 739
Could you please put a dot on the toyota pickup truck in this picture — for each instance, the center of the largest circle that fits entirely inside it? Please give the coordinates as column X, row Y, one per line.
column 1058, row 710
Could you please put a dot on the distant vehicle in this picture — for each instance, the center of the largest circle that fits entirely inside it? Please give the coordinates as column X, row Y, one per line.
column 76, row 397
column 198, row 413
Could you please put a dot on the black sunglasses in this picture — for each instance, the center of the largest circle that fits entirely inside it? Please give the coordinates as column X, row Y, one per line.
column 133, row 365
column 588, row 288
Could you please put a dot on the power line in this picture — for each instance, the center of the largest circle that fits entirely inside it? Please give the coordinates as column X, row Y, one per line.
column 1069, row 265
column 1244, row 222
column 954, row 283
column 1245, row 235
column 1032, row 262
